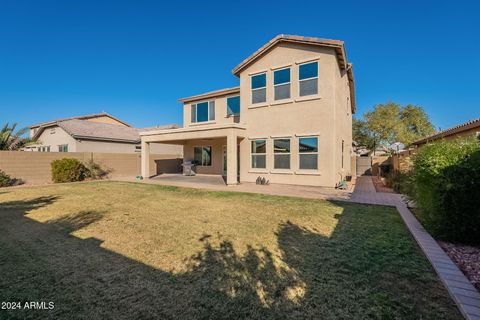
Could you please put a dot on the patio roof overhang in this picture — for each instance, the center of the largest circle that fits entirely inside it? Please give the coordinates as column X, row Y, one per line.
column 196, row 132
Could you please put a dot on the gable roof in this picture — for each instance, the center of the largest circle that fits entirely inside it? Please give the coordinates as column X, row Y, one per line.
column 89, row 130
column 338, row 45
column 475, row 123
column 85, row 117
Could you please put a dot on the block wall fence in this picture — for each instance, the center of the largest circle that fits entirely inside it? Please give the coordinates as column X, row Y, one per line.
column 34, row 167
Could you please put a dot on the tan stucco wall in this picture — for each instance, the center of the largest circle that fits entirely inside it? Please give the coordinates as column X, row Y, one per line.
column 55, row 136
column 343, row 125
column 316, row 116
column 118, row 147
column 326, row 116
column 217, row 154
column 220, row 111
column 34, row 167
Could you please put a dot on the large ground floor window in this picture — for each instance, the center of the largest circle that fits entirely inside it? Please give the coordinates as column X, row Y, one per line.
column 281, row 153
column 308, row 153
column 202, row 156
column 259, row 154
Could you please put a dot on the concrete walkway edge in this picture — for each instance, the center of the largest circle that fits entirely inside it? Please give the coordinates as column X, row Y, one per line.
column 460, row 288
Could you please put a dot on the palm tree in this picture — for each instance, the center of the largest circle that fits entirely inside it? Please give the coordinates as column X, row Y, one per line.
column 11, row 139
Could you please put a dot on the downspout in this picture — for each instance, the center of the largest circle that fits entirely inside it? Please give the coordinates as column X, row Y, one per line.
column 335, row 129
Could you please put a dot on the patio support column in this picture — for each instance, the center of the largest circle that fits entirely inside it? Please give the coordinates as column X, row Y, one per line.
column 145, row 160
column 231, row 159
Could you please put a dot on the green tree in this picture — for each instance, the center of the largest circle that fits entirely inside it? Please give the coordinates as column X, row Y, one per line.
column 389, row 123
column 362, row 134
column 416, row 124
column 11, row 139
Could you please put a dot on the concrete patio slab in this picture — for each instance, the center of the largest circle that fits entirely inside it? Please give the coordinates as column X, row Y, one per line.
column 215, row 182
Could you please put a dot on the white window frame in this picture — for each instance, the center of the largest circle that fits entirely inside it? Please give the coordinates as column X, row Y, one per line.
column 307, row 153
column 282, row 153
column 257, row 153
column 62, row 146
column 211, row 155
column 302, row 80
column 282, row 84
column 194, row 105
column 232, row 114
column 256, row 89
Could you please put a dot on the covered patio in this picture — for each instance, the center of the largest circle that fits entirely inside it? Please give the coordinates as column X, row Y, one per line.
column 216, row 145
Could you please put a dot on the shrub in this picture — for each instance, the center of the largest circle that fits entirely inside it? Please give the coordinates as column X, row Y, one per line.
column 446, row 189
column 7, row 181
column 67, row 170
column 400, row 182
column 95, row 171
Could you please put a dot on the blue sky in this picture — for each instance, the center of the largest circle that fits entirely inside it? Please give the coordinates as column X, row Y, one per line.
column 135, row 59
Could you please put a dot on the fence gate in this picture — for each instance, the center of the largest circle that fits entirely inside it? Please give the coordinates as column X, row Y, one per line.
column 364, row 166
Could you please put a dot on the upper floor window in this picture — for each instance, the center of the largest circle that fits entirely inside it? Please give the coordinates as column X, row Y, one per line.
column 259, row 88
column 281, row 153
column 308, row 153
column 259, row 154
column 281, row 84
column 203, row 111
column 308, row 79
column 233, row 106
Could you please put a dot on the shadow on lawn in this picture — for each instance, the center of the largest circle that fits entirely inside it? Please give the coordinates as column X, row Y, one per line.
column 347, row 275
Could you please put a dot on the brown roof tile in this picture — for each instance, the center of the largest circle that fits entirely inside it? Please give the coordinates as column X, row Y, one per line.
column 85, row 117
column 451, row 131
column 337, row 44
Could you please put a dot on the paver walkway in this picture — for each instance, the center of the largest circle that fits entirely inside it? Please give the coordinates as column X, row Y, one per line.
column 462, row 291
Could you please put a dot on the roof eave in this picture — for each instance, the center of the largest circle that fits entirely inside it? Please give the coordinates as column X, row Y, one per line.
column 211, row 94
column 79, row 137
column 337, row 44
column 351, row 83
column 469, row 125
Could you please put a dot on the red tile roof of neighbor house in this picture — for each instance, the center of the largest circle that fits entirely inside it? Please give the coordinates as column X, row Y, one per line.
column 338, row 45
column 469, row 125
column 85, row 117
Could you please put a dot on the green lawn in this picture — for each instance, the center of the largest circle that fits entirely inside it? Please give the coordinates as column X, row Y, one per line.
column 116, row 250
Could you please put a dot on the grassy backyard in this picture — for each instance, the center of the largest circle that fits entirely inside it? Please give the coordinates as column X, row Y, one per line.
column 132, row 251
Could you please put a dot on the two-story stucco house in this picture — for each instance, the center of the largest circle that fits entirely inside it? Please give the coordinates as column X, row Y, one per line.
column 289, row 121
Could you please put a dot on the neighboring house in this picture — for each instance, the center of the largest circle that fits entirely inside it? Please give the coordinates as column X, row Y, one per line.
column 467, row 129
column 289, row 121
column 93, row 133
